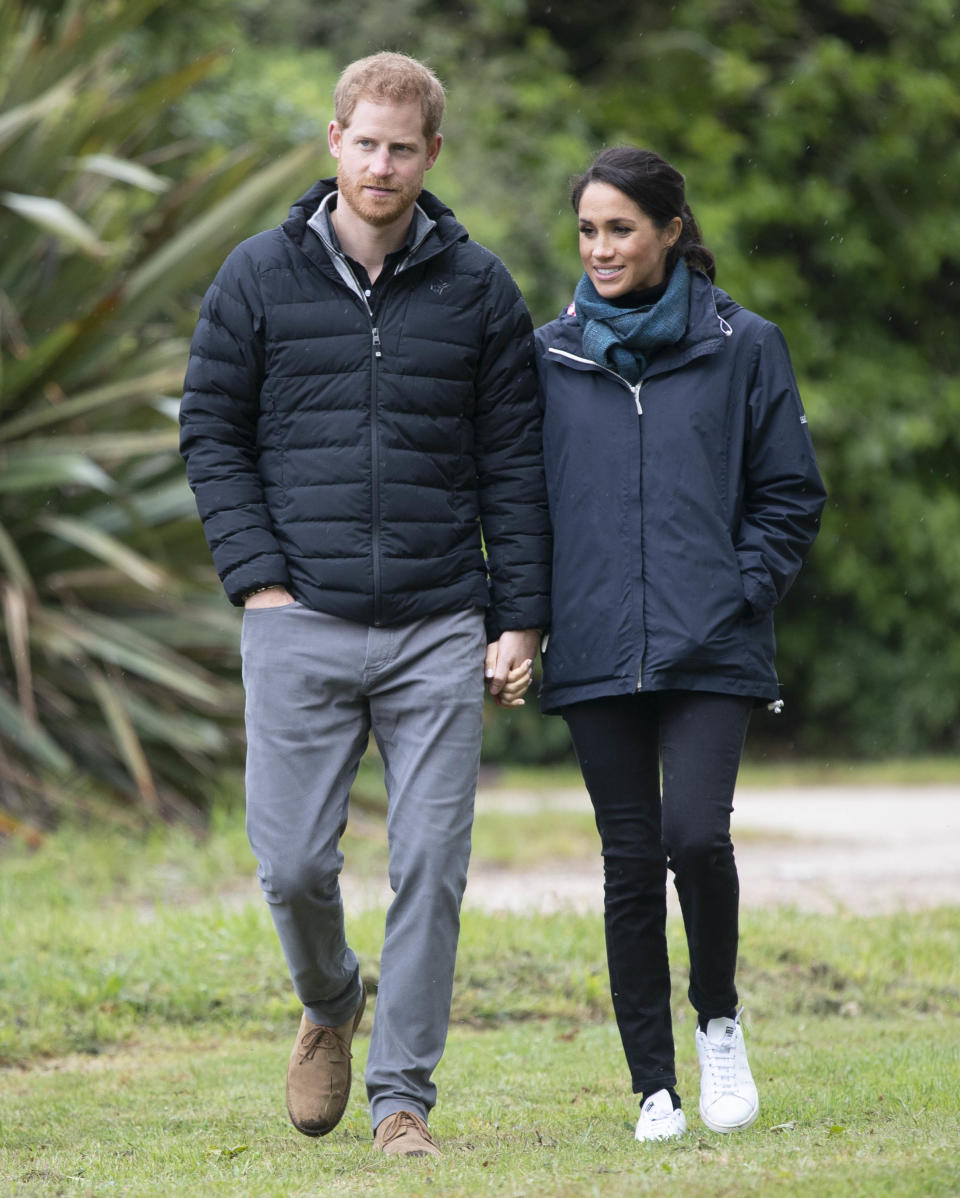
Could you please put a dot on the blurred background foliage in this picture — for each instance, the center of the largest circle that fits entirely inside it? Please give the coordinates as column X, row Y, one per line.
column 139, row 141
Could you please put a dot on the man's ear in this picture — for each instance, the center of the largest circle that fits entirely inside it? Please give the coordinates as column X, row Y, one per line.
column 433, row 149
column 334, row 138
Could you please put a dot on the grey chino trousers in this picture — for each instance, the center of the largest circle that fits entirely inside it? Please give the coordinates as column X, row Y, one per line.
column 315, row 687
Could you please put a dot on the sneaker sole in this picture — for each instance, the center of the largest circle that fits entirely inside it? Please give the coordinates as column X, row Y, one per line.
column 670, row 1135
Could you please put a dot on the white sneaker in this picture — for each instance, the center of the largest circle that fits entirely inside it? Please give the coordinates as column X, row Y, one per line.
column 728, row 1096
column 658, row 1120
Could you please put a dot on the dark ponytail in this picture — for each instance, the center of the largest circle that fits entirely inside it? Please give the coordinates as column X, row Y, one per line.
column 689, row 246
column 658, row 189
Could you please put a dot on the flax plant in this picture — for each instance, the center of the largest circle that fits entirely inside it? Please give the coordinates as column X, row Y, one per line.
column 117, row 653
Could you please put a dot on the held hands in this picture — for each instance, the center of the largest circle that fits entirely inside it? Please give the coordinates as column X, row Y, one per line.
column 509, row 666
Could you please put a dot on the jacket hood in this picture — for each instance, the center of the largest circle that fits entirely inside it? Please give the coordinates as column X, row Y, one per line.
column 448, row 228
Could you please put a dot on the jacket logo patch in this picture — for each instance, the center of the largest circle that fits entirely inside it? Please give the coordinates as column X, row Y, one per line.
column 439, row 286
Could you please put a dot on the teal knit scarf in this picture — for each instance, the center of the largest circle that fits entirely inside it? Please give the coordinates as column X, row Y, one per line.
column 625, row 339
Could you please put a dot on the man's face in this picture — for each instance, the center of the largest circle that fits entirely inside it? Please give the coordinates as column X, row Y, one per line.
column 382, row 157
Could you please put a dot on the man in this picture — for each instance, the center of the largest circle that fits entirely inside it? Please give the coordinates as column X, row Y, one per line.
column 359, row 404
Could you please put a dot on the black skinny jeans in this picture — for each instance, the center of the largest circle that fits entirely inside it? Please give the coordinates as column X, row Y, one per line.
column 620, row 743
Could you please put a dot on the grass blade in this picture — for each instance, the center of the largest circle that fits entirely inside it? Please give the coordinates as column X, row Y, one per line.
column 107, row 640
column 16, row 120
column 32, row 739
column 110, row 694
column 12, row 560
column 41, row 471
column 147, row 387
column 112, row 446
column 53, row 216
column 18, row 635
column 124, row 171
column 108, row 549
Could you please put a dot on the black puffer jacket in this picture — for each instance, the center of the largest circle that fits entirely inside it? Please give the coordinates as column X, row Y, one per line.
column 682, row 508
column 354, row 460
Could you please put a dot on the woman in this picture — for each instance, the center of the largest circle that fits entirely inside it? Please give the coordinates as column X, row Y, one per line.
column 684, row 494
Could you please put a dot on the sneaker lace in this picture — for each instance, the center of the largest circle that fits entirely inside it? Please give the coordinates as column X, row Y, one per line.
column 723, row 1062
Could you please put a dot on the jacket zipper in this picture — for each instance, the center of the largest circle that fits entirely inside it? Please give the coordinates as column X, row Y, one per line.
column 402, row 266
column 350, row 280
column 635, row 392
column 376, row 353
column 375, row 471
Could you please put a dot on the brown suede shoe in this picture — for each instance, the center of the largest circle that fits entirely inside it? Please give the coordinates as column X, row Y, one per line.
column 318, row 1076
column 404, row 1134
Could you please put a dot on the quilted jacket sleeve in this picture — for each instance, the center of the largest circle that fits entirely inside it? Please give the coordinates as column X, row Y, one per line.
column 784, row 495
column 509, row 462
column 218, row 430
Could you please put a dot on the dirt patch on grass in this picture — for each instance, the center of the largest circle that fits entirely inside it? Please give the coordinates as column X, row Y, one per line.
column 866, row 850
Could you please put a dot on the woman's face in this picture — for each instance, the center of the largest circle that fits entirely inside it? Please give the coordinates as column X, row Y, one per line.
column 621, row 248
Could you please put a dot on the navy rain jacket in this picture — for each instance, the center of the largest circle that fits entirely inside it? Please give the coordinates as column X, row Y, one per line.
column 681, row 508
column 353, row 459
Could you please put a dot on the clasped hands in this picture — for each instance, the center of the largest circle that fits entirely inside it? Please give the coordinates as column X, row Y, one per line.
column 509, row 666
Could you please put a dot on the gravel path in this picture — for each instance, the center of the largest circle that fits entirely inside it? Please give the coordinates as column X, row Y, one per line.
column 860, row 849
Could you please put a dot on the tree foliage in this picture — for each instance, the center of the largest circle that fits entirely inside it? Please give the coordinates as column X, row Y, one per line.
column 139, row 141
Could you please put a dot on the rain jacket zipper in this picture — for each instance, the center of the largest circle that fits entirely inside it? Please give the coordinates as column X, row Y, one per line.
column 635, row 392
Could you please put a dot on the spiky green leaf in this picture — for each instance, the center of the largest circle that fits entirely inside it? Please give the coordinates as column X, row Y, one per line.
column 124, row 171
column 53, row 216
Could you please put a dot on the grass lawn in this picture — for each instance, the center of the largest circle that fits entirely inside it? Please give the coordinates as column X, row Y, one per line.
column 145, row 1021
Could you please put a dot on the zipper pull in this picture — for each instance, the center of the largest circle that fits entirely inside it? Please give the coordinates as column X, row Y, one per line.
column 376, row 342
column 636, row 397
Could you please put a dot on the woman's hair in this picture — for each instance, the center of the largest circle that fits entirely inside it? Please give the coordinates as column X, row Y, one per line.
column 390, row 78
column 657, row 189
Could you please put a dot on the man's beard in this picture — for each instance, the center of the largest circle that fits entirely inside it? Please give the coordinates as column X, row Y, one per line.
column 375, row 212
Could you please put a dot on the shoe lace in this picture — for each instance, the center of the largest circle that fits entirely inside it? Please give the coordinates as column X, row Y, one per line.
column 322, row 1037
column 402, row 1122
column 722, row 1058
